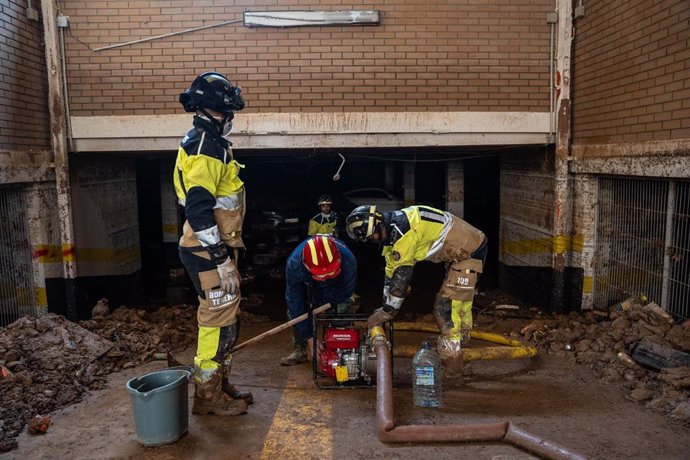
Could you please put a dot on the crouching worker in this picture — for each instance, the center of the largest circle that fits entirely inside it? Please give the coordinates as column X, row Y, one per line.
column 207, row 184
column 320, row 270
column 420, row 233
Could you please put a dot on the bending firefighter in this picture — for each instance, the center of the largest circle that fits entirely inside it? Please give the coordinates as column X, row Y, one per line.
column 420, row 233
column 325, row 221
column 208, row 186
column 320, row 270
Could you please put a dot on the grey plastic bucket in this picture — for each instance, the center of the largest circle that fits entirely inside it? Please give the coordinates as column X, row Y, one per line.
column 160, row 405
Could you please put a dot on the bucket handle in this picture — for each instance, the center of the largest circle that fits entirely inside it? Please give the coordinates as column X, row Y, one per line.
column 188, row 371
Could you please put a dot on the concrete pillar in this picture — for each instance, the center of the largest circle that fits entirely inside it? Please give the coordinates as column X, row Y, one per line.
column 561, row 202
column 389, row 178
column 44, row 239
column 455, row 188
column 58, row 134
column 409, row 184
column 585, row 197
column 168, row 207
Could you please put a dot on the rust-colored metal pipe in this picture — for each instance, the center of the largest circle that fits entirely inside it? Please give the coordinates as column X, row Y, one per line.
column 501, row 431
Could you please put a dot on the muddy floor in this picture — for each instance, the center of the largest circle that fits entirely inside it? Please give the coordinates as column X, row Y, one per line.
column 550, row 396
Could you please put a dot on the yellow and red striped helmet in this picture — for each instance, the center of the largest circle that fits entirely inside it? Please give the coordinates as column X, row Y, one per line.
column 321, row 257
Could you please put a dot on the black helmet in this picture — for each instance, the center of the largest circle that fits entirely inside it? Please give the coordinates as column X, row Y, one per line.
column 325, row 199
column 363, row 222
column 213, row 91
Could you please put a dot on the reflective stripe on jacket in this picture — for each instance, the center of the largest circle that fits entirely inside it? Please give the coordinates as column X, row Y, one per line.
column 416, row 234
column 205, row 177
column 322, row 224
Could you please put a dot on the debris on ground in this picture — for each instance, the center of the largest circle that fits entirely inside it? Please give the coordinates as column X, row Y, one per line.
column 49, row 362
column 603, row 341
column 608, row 346
column 100, row 309
column 39, row 424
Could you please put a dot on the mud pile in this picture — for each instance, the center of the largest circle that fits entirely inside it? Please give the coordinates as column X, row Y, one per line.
column 50, row 362
column 606, row 345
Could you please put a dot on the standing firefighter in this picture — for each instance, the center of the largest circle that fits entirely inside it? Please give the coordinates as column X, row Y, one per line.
column 421, row 233
column 208, row 186
column 325, row 221
column 320, row 270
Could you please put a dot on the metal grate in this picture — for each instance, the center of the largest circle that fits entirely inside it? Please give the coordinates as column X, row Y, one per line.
column 16, row 279
column 643, row 243
column 677, row 263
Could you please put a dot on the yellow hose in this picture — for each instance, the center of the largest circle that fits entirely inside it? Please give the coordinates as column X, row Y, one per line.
column 514, row 349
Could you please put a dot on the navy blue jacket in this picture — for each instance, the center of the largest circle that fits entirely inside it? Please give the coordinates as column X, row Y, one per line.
column 299, row 285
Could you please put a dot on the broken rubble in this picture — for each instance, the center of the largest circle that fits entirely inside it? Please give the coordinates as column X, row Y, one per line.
column 54, row 362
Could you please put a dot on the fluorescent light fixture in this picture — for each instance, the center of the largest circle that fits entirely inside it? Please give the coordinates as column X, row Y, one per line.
column 310, row 18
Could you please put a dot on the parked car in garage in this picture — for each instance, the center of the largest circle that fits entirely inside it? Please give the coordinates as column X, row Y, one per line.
column 384, row 200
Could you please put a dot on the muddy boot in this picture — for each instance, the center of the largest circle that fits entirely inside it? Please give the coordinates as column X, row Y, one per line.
column 450, row 351
column 298, row 356
column 209, row 398
column 299, row 353
column 232, row 391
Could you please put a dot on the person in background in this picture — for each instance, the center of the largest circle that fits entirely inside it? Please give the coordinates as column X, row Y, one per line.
column 326, row 220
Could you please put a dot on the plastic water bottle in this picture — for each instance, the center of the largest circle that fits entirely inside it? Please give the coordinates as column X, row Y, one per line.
column 426, row 379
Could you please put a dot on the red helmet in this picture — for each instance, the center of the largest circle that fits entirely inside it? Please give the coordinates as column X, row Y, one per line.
column 321, row 257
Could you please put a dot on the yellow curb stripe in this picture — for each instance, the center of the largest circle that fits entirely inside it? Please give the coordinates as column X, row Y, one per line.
column 48, row 254
column 558, row 244
column 587, row 284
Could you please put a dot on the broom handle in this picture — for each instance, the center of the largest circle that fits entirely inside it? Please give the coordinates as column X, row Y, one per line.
column 282, row 327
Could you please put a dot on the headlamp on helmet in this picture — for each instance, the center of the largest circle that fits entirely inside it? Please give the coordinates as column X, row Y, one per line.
column 325, row 199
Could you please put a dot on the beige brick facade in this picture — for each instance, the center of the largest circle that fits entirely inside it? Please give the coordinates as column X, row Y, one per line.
column 632, row 72
column 24, row 118
column 469, row 55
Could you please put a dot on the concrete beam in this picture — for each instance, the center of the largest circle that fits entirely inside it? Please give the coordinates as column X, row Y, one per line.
column 26, row 166
column 318, row 130
column 668, row 159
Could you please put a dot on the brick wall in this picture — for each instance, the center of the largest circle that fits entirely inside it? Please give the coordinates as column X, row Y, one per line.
column 24, row 117
column 631, row 78
column 435, row 55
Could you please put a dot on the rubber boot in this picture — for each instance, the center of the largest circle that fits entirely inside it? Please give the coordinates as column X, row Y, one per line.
column 299, row 353
column 232, row 391
column 209, row 398
column 442, row 313
column 298, row 356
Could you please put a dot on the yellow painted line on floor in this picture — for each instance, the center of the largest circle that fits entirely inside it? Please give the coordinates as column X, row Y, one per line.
column 301, row 423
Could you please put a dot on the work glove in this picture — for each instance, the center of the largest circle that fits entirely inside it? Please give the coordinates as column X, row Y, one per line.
column 381, row 315
column 229, row 276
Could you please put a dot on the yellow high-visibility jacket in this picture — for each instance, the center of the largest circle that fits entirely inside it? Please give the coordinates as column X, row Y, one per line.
column 322, row 224
column 414, row 234
column 206, row 177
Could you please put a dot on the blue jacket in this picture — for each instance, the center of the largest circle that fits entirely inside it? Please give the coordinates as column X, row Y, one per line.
column 299, row 285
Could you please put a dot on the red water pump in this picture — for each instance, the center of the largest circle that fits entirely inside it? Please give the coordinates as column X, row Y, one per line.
column 346, row 358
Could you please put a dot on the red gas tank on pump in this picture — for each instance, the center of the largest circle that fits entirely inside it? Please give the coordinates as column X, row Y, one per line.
column 340, row 357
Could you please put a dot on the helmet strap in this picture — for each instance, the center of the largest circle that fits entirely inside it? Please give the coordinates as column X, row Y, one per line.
column 214, row 120
column 210, row 126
